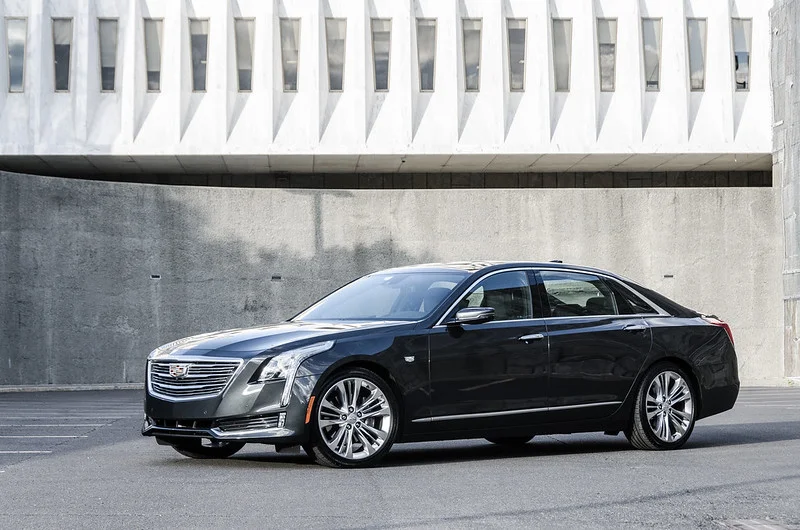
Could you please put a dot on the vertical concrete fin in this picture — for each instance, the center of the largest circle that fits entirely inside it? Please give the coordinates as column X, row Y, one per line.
column 4, row 81
column 84, row 80
column 36, row 79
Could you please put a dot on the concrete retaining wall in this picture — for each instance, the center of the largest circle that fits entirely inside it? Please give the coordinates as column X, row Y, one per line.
column 79, row 302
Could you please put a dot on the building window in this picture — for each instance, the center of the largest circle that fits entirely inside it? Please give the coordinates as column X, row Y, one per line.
column 108, row 54
column 62, row 47
column 381, row 44
column 696, row 34
column 562, row 53
column 152, row 52
column 472, row 54
column 516, row 54
column 426, row 52
column 198, row 35
column 290, row 52
column 651, row 48
column 244, row 29
column 607, row 52
column 16, row 33
column 335, row 34
column 742, row 29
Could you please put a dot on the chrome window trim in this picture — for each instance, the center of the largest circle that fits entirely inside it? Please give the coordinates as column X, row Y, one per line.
column 659, row 311
column 193, row 359
column 511, row 412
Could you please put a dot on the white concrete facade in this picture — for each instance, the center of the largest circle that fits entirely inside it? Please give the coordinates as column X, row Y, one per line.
column 403, row 129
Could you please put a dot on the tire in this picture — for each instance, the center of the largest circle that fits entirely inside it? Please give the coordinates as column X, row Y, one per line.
column 511, row 441
column 354, row 420
column 672, row 411
column 196, row 449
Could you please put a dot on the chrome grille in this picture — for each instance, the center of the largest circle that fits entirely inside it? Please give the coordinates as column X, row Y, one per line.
column 202, row 379
column 248, row 424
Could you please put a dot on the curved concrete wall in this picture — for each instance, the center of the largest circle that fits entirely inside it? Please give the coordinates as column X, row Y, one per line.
column 78, row 303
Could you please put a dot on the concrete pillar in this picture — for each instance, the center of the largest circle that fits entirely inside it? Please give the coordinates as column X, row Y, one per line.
column 785, row 61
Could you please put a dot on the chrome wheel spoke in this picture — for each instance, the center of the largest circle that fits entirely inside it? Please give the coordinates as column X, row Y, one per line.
column 668, row 406
column 329, row 423
column 354, row 418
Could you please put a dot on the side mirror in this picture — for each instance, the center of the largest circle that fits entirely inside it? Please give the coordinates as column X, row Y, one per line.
column 472, row 315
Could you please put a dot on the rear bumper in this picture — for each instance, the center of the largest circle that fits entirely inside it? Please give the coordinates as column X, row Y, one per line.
column 718, row 399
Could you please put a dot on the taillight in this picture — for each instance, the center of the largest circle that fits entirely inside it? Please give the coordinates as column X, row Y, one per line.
column 717, row 322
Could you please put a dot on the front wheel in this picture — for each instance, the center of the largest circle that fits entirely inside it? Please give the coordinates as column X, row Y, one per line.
column 205, row 449
column 664, row 415
column 354, row 420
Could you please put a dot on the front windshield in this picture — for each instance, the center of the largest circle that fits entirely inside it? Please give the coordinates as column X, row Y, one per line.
column 386, row 296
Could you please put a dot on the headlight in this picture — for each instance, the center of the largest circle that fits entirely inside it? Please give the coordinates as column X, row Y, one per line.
column 284, row 366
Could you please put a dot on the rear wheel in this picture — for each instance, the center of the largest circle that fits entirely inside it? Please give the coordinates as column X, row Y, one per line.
column 354, row 422
column 511, row 441
column 205, row 449
column 664, row 415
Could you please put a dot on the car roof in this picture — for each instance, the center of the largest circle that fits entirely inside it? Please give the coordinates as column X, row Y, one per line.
column 479, row 266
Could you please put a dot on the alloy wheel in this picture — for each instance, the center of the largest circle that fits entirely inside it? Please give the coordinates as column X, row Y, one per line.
column 669, row 406
column 354, row 418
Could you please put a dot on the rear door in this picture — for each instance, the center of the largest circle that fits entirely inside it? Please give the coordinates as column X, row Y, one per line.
column 598, row 343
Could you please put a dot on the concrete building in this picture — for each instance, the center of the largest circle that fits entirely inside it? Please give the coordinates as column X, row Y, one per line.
column 177, row 166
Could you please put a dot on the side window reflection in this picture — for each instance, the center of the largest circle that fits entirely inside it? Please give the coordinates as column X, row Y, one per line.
column 508, row 293
column 571, row 294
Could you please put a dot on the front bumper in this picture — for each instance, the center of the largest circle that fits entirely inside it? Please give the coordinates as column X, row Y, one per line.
column 243, row 412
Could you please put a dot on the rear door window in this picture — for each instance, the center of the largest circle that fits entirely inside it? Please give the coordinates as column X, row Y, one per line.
column 572, row 294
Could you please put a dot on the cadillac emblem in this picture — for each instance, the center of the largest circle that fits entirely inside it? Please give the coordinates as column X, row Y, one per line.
column 179, row 371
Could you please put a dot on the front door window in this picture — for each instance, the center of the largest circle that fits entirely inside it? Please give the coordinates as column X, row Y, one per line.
column 508, row 293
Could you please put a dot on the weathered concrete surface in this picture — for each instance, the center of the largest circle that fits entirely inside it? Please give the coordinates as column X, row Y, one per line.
column 785, row 60
column 78, row 303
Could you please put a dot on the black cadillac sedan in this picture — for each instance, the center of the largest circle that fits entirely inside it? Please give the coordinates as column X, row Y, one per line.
column 501, row 351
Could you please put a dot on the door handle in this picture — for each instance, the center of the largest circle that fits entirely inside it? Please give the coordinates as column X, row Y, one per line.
column 534, row 336
column 635, row 327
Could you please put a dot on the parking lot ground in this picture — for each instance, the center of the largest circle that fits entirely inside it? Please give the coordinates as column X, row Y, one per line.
column 77, row 460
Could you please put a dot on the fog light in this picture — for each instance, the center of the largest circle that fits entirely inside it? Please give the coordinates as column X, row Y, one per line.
column 281, row 419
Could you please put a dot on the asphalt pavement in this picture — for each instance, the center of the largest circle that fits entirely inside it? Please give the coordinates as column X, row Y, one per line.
column 77, row 460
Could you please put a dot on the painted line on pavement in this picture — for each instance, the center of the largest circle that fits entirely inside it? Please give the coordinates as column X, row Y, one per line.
column 25, row 452
column 54, row 424
column 42, row 436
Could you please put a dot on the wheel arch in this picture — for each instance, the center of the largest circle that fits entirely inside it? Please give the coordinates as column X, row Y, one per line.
column 379, row 370
column 687, row 368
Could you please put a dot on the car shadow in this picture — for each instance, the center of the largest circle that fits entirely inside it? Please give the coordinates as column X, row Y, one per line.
column 704, row 436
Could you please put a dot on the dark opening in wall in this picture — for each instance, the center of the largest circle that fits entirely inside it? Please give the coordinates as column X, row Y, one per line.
column 669, row 179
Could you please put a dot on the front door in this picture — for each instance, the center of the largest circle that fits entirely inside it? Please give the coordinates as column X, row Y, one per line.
column 598, row 344
column 491, row 374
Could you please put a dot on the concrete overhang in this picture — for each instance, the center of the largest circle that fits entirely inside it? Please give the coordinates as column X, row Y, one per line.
column 109, row 165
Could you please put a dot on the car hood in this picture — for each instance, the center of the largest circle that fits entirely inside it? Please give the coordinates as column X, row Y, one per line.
column 248, row 342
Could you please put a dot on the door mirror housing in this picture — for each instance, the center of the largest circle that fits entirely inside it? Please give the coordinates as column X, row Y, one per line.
column 472, row 315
